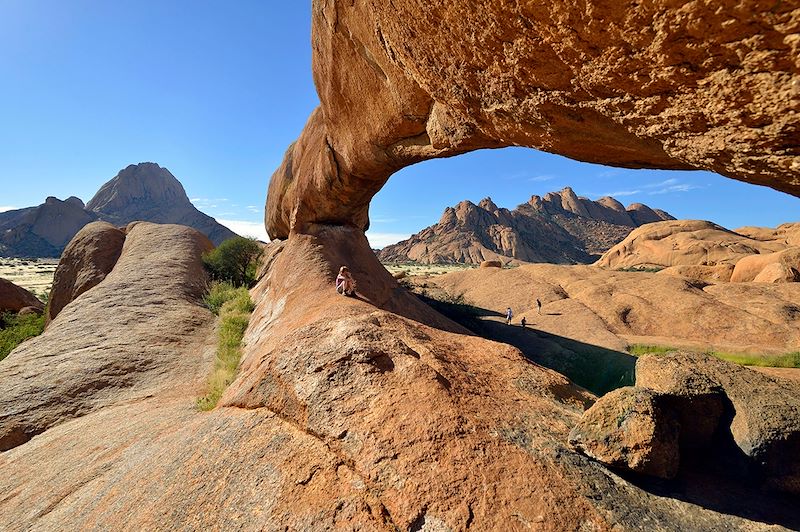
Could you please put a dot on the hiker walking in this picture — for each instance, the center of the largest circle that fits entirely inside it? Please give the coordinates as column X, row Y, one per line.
column 509, row 315
column 523, row 322
column 538, row 307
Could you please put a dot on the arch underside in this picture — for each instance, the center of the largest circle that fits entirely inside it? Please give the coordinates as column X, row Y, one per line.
column 655, row 85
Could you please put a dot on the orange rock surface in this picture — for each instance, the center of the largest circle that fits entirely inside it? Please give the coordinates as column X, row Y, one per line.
column 370, row 413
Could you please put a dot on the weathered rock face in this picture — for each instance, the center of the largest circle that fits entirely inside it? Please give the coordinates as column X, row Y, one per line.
column 472, row 234
column 765, row 411
column 630, row 428
column 648, row 85
column 14, row 298
column 148, row 192
column 87, row 259
column 115, row 343
column 559, row 228
column 720, row 273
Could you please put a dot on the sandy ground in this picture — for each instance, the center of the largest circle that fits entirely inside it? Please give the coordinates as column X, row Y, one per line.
column 579, row 331
column 34, row 275
column 423, row 270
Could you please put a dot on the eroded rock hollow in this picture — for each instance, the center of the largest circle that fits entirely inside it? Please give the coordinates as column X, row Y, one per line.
column 655, row 84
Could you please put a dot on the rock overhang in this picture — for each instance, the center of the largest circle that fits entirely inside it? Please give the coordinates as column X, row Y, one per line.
column 645, row 86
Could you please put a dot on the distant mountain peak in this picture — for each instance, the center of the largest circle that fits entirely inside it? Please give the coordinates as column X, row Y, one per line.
column 138, row 183
column 144, row 191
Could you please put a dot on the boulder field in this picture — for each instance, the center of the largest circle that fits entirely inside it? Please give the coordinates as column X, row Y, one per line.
column 370, row 413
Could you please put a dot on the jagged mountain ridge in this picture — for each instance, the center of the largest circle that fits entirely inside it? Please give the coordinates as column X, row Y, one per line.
column 143, row 191
column 559, row 227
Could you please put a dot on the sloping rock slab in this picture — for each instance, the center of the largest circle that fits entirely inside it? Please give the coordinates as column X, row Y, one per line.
column 117, row 342
column 355, row 418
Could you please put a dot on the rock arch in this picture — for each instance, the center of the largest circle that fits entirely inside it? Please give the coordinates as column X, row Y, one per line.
column 658, row 84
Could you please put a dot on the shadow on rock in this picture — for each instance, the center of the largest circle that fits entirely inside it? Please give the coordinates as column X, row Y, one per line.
column 596, row 368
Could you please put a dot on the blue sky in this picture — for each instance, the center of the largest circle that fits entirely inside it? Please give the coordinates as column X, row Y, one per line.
column 215, row 91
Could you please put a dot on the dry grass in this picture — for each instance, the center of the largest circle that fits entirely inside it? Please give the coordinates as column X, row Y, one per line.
column 234, row 306
column 786, row 360
column 413, row 268
column 34, row 275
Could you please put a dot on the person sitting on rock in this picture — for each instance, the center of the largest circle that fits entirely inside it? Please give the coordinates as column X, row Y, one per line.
column 345, row 284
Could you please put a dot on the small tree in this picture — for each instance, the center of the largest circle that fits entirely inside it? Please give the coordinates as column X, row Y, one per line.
column 234, row 260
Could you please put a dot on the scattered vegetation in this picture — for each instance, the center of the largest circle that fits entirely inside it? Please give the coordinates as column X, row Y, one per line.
column 16, row 329
column 648, row 269
column 221, row 292
column 785, row 360
column 455, row 307
column 234, row 306
column 234, row 261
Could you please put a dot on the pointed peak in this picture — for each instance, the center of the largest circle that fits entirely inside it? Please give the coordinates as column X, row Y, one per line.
column 567, row 192
column 144, row 182
column 463, row 204
column 487, row 204
column 75, row 201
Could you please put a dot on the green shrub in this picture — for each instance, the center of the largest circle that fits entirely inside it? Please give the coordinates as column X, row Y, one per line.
column 234, row 261
column 234, row 307
column 16, row 329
